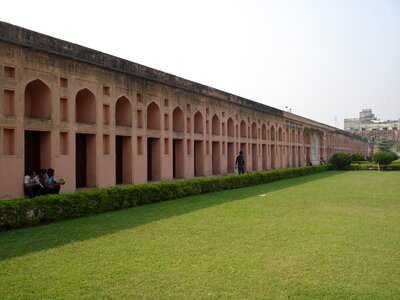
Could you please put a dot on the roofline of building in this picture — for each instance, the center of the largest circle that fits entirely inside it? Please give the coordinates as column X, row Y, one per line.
column 27, row 38
column 31, row 39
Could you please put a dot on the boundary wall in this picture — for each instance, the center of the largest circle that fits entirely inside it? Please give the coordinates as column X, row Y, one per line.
column 99, row 120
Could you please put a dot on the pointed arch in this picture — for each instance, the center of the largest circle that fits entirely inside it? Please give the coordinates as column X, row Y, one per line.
column 198, row 122
column 85, row 107
column 307, row 138
column 264, row 132
column 177, row 120
column 37, row 100
column 254, row 130
column 231, row 127
column 215, row 125
column 153, row 116
column 272, row 133
column 315, row 142
column 243, row 131
column 123, row 112
column 273, row 148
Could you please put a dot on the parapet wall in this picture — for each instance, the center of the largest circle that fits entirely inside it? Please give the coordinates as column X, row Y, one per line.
column 31, row 39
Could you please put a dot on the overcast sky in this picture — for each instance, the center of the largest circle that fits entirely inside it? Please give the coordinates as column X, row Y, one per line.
column 323, row 59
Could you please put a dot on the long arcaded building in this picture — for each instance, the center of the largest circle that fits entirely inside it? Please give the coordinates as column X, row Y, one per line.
column 99, row 120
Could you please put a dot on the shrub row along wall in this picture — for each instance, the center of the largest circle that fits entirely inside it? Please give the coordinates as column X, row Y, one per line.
column 50, row 208
column 362, row 166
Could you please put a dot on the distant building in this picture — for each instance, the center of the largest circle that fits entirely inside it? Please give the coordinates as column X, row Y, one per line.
column 367, row 125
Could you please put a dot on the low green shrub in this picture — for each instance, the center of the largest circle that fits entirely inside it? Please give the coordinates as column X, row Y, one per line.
column 396, row 162
column 17, row 213
column 357, row 166
column 340, row 161
column 363, row 166
column 357, row 157
column 391, row 167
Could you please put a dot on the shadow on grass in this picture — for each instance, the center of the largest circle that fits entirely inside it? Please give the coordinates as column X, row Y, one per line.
column 29, row 240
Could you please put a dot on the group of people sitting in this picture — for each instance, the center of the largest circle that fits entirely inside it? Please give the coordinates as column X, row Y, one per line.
column 41, row 182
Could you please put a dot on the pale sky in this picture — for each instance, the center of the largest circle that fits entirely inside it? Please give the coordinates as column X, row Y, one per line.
column 321, row 58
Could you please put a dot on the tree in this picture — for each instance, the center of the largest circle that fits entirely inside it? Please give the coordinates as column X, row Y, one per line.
column 384, row 157
column 340, row 161
column 384, row 144
column 397, row 146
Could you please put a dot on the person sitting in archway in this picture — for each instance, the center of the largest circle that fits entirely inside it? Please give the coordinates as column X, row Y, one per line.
column 53, row 186
column 31, row 183
column 41, row 178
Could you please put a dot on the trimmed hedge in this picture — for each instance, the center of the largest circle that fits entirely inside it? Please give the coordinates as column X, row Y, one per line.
column 394, row 166
column 357, row 157
column 18, row 213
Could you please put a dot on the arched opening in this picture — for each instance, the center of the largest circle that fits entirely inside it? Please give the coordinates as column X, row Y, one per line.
column 264, row 156
column 243, row 130
column 231, row 128
column 37, row 100
column 198, row 122
column 273, row 148
column 280, row 138
column 177, row 120
column 216, row 156
column 178, row 158
column 123, row 159
column 153, row 159
column 85, row 160
column 37, row 149
column 254, row 130
column 198, row 158
column 272, row 133
column 85, row 107
column 294, row 154
column 153, row 116
column 322, row 145
column 307, row 138
column 231, row 157
column 123, row 112
column 307, row 149
column 264, row 132
column 215, row 125
column 299, row 162
column 254, row 157
column 315, row 149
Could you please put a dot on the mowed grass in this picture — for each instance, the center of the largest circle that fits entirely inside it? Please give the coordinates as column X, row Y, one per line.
column 334, row 235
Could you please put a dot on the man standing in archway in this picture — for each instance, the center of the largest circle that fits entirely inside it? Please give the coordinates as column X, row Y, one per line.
column 239, row 164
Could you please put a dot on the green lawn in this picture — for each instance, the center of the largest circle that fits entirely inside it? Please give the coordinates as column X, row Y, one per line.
column 331, row 235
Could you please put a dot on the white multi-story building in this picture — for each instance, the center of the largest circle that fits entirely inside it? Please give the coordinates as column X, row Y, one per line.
column 367, row 125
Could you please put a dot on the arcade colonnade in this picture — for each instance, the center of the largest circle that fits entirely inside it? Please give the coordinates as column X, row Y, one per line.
column 98, row 127
column 138, row 139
